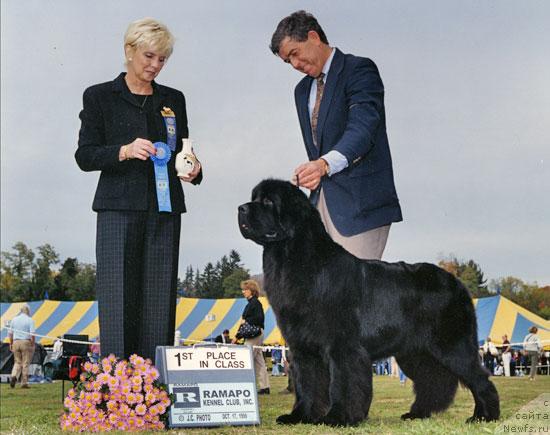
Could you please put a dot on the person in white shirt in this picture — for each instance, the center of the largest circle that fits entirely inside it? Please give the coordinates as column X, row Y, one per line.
column 21, row 337
column 57, row 349
column 532, row 346
column 506, row 354
column 490, row 353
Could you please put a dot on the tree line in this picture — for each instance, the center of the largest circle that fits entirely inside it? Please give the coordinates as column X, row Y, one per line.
column 26, row 275
column 220, row 280
column 29, row 276
column 530, row 296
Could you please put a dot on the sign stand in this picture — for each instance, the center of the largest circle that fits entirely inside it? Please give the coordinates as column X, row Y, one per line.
column 213, row 385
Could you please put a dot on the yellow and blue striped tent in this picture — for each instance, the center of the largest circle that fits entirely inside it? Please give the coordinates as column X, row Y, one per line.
column 200, row 319
column 196, row 319
column 497, row 316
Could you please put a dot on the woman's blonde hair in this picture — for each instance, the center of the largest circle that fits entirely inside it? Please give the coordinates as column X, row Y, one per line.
column 149, row 32
column 251, row 285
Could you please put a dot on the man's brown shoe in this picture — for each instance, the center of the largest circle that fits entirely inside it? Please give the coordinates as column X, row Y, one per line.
column 13, row 380
column 25, row 386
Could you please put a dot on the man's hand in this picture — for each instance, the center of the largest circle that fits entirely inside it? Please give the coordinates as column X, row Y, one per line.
column 309, row 174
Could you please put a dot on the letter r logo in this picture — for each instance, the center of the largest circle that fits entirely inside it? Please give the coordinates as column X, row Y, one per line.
column 187, row 397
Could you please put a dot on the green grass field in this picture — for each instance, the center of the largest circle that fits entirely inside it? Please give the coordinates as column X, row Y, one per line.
column 37, row 410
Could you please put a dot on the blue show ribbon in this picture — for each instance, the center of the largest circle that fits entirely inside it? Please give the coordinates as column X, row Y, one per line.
column 170, row 123
column 160, row 161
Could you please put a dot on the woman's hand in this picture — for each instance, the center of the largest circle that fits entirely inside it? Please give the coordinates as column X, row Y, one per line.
column 193, row 173
column 138, row 149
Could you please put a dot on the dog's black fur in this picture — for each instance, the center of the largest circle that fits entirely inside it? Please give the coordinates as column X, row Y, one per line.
column 339, row 313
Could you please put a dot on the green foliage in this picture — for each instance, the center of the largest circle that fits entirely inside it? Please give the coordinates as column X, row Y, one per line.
column 43, row 280
column 83, row 288
column 26, row 276
column 469, row 273
column 213, row 281
column 17, row 269
column 232, row 283
column 529, row 296
column 187, row 287
column 209, row 280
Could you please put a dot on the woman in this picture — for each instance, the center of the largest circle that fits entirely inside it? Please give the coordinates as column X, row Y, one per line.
column 138, row 212
column 506, row 354
column 532, row 347
column 253, row 314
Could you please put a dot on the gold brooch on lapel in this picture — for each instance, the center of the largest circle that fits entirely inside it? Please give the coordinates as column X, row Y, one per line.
column 166, row 111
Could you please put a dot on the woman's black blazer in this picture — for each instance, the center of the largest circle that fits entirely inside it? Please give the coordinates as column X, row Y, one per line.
column 111, row 117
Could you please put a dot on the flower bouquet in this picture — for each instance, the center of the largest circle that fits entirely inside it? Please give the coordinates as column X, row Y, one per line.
column 117, row 394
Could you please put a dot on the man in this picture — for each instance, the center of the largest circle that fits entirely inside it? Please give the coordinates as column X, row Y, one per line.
column 223, row 338
column 506, row 354
column 22, row 345
column 341, row 111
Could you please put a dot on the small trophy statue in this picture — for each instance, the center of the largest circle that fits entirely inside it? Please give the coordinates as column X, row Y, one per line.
column 185, row 159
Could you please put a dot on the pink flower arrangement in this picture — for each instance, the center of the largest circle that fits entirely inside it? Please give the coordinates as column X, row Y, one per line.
column 116, row 394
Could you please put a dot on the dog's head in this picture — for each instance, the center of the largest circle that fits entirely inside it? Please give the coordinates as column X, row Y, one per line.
column 278, row 211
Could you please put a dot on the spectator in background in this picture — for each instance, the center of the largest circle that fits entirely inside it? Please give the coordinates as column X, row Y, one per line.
column 544, row 362
column 532, row 347
column 513, row 363
column 21, row 338
column 276, row 359
column 490, row 352
column 95, row 350
column 506, row 354
column 394, row 368
column 57, row 351
column 223, row 337
column 253, row 314
column 402, row 376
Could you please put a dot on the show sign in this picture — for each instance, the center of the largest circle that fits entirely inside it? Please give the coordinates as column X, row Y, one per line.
column 212, row 385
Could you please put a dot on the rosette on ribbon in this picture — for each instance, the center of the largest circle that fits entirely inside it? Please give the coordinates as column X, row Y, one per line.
column 163, row 154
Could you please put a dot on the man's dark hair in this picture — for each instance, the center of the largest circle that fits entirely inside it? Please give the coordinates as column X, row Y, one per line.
column 226, row 331
column 296, row 26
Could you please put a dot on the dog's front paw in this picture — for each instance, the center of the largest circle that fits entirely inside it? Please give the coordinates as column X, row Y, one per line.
column 289, row 419
column 337, row 418
column 479, row 419
column 413, row 416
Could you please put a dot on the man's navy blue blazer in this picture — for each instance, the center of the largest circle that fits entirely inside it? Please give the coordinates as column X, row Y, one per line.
column 111, row 117
column 352, row 120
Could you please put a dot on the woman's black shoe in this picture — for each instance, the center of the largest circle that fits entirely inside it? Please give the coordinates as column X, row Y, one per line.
column 263, row 391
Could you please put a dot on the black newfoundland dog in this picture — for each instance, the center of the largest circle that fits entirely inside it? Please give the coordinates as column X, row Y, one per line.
column 338, row 314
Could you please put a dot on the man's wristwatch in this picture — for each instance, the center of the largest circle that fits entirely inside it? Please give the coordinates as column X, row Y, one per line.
column 325, row 166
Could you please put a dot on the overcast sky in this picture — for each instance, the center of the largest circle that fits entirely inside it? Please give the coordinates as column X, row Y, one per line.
column 467, row 104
